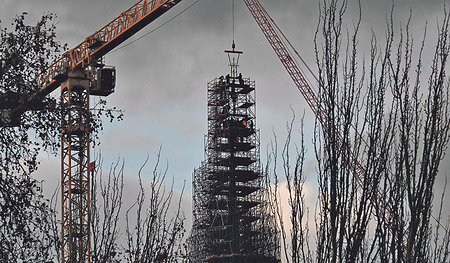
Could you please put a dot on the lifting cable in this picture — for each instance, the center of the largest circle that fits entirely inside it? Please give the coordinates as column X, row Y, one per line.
column 146, row 34
column 232, row 17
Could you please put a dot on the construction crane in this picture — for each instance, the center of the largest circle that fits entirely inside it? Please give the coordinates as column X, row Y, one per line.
column 270, row 31
column 80, row 74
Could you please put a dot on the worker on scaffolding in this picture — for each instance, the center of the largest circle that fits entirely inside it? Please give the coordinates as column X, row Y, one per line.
column 241, row 80
column 226, row 109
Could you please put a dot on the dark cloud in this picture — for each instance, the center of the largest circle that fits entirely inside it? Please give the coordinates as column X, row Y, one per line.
column 161, row 78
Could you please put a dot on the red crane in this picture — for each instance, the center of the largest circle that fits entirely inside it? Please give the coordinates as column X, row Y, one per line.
column 270, row 31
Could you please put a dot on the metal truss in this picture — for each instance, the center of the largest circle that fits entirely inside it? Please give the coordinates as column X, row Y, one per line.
column 75, row 178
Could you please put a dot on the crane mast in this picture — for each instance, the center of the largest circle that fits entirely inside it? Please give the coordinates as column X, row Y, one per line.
column 80, row 74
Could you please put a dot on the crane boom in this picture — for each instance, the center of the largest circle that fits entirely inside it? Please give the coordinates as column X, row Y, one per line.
column 274, row 39
column 104, row 40
column 267, row 25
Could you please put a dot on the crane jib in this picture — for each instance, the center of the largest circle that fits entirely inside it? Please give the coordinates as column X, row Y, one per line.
column 103, row 41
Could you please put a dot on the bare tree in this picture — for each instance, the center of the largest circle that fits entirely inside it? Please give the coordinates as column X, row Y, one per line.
column 296, row 246
column 295, row 179
column 422, row 135
column 155, row 235
column 350, row 167
column 379, row 152
column 106, row 204
column 399, row 151
column 150, row 230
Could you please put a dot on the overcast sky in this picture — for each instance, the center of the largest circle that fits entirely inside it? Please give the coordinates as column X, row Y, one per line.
column 161, row 79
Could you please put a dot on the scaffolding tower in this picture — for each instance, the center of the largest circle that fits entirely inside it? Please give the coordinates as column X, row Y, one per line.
column 232, row 222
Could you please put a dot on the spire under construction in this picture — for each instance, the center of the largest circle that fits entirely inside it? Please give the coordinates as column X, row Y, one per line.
column 232, row 222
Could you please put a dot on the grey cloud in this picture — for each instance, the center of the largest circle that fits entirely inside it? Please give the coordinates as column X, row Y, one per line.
column 162, row 77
